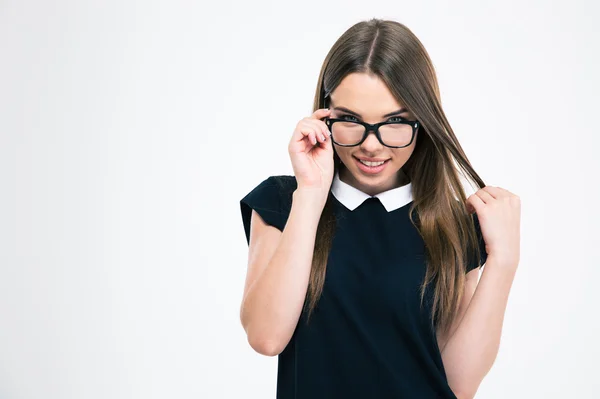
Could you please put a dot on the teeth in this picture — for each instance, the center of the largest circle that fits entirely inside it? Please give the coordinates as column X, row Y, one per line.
column 371, row 163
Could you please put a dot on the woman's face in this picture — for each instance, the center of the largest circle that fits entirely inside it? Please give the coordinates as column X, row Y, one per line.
column 369, row 99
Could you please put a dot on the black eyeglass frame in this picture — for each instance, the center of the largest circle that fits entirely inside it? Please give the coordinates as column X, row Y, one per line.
column 375, row 127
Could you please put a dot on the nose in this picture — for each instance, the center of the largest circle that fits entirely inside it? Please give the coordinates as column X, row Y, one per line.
column 371, row 144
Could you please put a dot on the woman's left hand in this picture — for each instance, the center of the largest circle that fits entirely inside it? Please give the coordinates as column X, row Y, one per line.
column 499, row 214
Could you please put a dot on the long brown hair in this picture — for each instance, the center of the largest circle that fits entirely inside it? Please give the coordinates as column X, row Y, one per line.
column 390, row 51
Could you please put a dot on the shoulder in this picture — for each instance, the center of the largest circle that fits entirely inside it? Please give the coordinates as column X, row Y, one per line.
column 279, row 185
column 285, row 185
column 271, row 199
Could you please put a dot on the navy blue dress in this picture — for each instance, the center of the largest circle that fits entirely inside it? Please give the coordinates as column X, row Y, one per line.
column 368, row 337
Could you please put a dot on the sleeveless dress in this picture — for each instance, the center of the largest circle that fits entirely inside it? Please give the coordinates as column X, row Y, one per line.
column 368, row 337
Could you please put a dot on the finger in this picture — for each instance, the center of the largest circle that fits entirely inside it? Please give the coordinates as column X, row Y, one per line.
column 299, row 132
column 320, row 113
column 476, row 202
column 327, row 145
column 302, row 145
column 319, row 127
column 469, row 207
column 325, row 128
column 312, row 137
column 315, row 133
column 485, row 196
column 491, row 191
column 303, row 129
column 497, row 192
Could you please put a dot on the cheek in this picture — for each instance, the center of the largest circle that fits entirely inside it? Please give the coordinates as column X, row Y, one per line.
column 401, row 155
column 343, row 152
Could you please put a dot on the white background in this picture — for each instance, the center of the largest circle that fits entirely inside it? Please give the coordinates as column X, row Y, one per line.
column 129, row 131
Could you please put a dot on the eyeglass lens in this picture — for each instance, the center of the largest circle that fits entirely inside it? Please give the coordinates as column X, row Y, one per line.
column 350, row 133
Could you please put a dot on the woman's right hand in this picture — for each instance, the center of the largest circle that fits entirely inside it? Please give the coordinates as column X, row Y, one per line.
column 311, row 153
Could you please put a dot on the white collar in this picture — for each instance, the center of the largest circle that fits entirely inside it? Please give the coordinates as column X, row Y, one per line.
column 352, row 197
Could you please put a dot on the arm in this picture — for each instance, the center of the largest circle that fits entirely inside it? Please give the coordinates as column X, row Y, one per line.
column 279, row 265
column 470, row 286
column 472, row 349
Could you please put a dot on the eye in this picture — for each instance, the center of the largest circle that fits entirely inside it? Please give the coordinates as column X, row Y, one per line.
column 348, row 116
column 399, row 119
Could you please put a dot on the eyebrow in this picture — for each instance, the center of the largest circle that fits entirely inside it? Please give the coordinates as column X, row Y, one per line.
column 344, row 109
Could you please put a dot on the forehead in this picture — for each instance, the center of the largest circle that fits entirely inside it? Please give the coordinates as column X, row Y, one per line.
column 365, row 94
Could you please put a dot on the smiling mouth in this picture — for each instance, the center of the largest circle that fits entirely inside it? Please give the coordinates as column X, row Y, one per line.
column 370, row 163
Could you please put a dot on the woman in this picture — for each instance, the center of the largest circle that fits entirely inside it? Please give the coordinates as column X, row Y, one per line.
column 363, row 267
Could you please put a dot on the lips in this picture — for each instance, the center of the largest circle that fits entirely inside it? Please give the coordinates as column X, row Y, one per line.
column 372, row 168
column 372, row 159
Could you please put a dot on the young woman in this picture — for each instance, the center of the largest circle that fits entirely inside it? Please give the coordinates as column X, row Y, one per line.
column 363, row 267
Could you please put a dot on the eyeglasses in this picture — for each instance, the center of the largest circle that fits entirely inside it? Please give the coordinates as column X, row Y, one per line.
column 397, row 134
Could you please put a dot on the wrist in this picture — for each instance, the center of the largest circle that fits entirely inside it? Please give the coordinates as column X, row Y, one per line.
column 309, row 199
